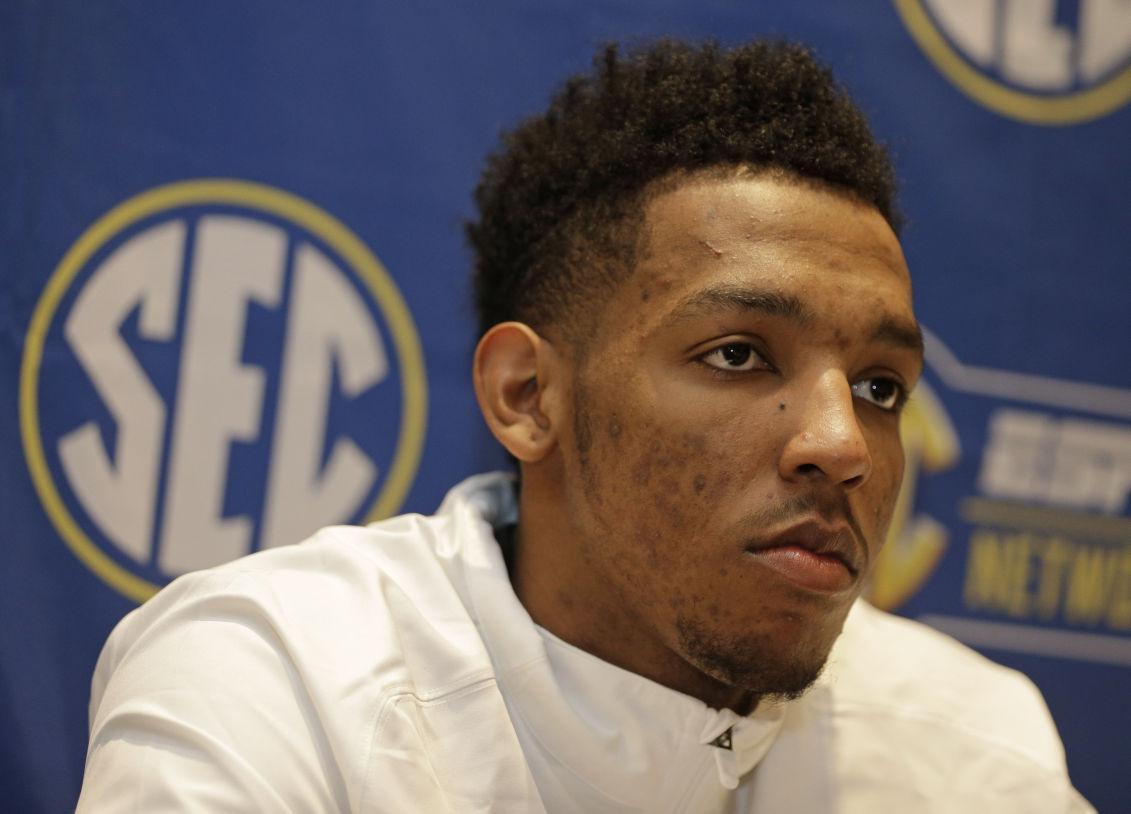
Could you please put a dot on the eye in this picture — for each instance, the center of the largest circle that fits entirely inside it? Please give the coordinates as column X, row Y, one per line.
column 885, row 393
column 735, row 357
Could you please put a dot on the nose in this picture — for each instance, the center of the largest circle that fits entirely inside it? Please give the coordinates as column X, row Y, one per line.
column 825, row 441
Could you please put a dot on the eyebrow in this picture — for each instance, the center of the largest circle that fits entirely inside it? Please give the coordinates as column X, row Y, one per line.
column 891, row 330
column 740, row 298
column 900, row 333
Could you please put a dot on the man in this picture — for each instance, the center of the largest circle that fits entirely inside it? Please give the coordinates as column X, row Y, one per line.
column 697, row 339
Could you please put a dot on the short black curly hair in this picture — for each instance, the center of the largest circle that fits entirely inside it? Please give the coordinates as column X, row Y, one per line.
column 561, row 201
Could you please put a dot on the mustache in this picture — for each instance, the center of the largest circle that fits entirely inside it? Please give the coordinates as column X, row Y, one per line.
column 830, row 507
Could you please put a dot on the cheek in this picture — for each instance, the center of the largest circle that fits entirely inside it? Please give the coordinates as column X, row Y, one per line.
column 661, row 470
column 683, row 467
column 647, row 491
column 680, row 487
column 682, row 461
column 668, row 484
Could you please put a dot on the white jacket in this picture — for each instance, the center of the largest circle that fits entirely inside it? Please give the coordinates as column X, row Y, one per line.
column 392, row 669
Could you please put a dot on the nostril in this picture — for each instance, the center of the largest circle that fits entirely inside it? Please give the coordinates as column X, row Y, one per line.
column 815, row 470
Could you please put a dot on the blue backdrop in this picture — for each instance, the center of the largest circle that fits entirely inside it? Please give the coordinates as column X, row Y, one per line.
column 234, row 305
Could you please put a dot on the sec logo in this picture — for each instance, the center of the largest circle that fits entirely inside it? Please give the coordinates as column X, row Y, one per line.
column 216, row 367
column 1040, row 61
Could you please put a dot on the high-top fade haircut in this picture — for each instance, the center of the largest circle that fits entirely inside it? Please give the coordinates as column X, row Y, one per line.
column 561, row 202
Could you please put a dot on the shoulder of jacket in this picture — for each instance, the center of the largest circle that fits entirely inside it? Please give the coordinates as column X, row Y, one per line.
column 346, row 601
column 889, row 665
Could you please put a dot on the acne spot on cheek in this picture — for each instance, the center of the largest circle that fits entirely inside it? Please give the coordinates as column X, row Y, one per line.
column 645, row 465
column 676, row 600
column 614, row 428
column 781, row 406
column 645, row 294
column 646, row 542
column 700, row 483
column 694, row 444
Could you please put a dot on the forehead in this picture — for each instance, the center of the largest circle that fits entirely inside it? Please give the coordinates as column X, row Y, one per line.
column 777, row 235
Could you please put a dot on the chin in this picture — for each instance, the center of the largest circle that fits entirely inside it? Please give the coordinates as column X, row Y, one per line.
column 760, row 663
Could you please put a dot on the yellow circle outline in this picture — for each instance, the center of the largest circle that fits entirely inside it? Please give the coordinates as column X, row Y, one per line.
column 414, row 395
column 1071, row 108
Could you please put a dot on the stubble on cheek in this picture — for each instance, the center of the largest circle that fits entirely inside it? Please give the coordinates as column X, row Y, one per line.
column 726, row 629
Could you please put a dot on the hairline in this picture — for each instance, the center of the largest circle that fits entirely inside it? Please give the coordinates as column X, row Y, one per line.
column 579, row 336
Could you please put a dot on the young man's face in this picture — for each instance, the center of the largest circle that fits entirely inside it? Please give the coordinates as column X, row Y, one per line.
column 735, row 453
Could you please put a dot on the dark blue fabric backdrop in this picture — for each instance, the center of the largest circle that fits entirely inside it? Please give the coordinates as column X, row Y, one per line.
column 175, row 176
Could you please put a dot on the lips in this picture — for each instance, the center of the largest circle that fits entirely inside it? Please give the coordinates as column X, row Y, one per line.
column 812, row 555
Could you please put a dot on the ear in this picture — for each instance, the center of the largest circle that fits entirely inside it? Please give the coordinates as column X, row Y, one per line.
column 518, row 378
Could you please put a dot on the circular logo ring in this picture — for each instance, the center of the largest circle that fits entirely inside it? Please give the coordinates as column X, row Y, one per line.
column 1069, row 108
column 414, row 395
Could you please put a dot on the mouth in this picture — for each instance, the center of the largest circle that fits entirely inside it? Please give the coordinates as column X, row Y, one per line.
column 812, row 555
